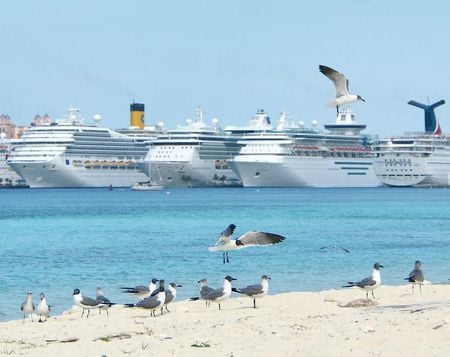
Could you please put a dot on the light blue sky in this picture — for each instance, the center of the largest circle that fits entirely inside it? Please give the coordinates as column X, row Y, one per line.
column 232, row 57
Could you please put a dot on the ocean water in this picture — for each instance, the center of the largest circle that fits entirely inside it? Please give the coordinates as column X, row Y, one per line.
column 55, row 240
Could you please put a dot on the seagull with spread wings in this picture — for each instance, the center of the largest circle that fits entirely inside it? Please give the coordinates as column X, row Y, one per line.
column 343, row 96
column 250, row 239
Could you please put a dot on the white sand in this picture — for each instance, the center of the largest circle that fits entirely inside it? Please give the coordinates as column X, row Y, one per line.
column 293, row 324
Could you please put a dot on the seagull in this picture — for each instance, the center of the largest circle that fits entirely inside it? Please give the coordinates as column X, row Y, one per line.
column 171, row 294
column 152, row 302
column 249, row 239
column 27, row 306
column 255, row 291
column 416, row 276
column 87, row 303
column 43, row 309
column 204, row 291
column 221, row 294
column 100, row 297
column 370, row 283
column 343, row 96
column 142, row 291
column 334, row 246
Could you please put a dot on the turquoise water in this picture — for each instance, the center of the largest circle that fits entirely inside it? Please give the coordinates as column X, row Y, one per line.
column 60, row 239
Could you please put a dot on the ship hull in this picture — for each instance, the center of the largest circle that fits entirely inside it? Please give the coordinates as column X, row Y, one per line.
column 294, row 171
column 411, row 170
column 61, row 173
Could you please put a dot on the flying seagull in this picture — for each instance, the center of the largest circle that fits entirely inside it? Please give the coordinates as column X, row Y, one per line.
column 152, row 302
column 27, row 306
column 221, row 294
column 87, row 303
column 141, row 291
column 255, row 291
column 370, row 283
column 204, row 291
column 171, row 294
column 334, row 246
column 416, row 276
column 343, row 97
column 43, row 309
column 249, row 239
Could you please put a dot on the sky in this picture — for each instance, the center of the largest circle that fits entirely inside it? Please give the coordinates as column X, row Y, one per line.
column 231, row 57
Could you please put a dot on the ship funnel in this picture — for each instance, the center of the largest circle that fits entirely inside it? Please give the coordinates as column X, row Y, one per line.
column 137, row 115
column 430, row 118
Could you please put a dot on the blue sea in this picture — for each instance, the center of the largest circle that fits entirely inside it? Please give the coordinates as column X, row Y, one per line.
column 55, row 240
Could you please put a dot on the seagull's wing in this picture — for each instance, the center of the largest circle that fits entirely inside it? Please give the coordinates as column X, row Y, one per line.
column 214, row 294
column 251, row 290
column 204, row 291
column 90, row 302
column 103, row 299
column 169, row 297
column 366, row 282
column 339, row 80
column 416, row 276
column 148, row 303
column 225, row 236
column 136, row 290
column 342, row 248
column 258, row 238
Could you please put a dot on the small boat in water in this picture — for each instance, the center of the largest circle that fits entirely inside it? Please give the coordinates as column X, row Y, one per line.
column 146, row 186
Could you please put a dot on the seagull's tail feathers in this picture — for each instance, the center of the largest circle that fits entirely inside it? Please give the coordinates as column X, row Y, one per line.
column 236, row 290
column 194, row 298
column 129, row 305
column 350, row 284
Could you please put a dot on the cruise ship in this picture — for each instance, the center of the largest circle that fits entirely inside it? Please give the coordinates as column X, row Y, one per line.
column 295, row 156
column 8, row 177
column 415, row 159
column 198, row 154
column 68, row 153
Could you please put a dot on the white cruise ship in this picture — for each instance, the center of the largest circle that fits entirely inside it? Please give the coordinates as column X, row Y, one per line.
column 415, row 159
column 197, row 154
column 8, row 177
column 68, row 153
column 298, row 157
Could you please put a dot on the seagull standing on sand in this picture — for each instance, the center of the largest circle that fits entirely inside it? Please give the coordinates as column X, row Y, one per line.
column 255, row 291
column 153, row 302
column 343, row 97
column 221, row 294
column 43, row 309
column 87, row 303
column 27, row 306
column 416, row 276
column 204, row 291
column 249, row 239
column 100, row 297
column 370, row 283
column 171, row 294
column 142, row 291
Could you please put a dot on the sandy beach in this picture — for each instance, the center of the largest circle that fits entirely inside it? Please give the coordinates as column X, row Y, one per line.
column 291, row 324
